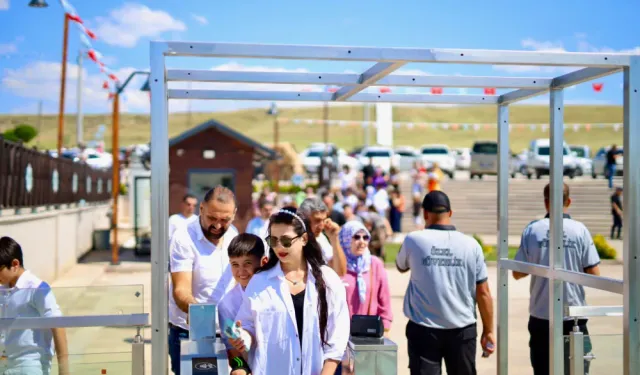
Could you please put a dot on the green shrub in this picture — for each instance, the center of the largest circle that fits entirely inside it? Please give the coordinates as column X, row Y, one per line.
column 486, row 249
column 25, row 132
column 10, row 135
column 605, row 250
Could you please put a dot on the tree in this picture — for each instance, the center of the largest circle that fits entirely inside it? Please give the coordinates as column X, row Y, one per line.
column 21, row 133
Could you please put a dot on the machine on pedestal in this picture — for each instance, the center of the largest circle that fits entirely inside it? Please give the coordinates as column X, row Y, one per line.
column 203, row 353
column 368, row 352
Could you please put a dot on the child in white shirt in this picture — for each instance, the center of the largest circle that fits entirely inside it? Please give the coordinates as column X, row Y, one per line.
column 246, row 254
column 24, row 295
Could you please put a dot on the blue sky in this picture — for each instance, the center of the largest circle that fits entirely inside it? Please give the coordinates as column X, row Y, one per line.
column 31, row 40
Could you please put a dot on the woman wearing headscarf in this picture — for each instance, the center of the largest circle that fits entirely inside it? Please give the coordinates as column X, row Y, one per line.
column 366, row 280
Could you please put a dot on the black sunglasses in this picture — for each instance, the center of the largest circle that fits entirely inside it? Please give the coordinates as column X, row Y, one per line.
column 363, row 237
column 286, row 242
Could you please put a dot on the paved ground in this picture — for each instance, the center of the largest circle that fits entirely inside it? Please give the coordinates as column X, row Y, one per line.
column 113, row 290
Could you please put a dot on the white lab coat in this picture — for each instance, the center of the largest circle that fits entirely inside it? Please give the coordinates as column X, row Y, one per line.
column 267, row 313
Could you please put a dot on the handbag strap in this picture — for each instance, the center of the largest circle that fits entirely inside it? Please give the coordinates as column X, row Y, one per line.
column 371, row 288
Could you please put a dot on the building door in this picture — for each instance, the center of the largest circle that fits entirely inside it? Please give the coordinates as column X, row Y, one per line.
column 203, row 180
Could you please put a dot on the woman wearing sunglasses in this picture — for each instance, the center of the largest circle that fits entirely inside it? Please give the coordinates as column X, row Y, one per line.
column 366, row 279
column 294, row 317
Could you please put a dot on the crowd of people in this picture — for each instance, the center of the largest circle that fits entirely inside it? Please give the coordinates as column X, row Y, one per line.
column 288, row 287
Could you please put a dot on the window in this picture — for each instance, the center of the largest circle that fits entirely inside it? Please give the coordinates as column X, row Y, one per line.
column 486, row 148
column 544, row 151
column 579, row 152
column 435, row 151
column 405, row 153
column 377, row 154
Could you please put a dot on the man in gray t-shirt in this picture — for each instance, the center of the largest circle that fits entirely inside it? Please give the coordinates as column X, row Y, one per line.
column 580, row 255
column 448, row 276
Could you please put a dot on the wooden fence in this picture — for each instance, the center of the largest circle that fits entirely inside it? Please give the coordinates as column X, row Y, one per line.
column 31, row 178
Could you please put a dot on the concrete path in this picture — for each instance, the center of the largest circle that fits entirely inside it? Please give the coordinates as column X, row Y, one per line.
column 112, row 289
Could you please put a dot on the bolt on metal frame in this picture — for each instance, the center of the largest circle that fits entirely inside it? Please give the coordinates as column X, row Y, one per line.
column 388, row 60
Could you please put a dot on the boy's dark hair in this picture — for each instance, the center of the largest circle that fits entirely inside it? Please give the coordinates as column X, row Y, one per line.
column 10, row 250
column 245, row 244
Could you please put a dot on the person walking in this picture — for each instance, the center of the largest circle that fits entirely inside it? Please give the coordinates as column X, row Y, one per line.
column 580, row 255
column 612, row 156
column 616, row 212
column 448, row 278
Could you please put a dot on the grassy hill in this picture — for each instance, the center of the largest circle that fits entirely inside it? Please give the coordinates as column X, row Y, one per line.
column 257, row 125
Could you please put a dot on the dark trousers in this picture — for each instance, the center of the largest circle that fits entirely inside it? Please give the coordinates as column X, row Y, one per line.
column 617, row 224
column 429, row 346
column 176, row 334
column 539, row 344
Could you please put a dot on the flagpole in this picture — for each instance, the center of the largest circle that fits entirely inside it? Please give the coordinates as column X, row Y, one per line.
column 79, row 119
column 63, row 77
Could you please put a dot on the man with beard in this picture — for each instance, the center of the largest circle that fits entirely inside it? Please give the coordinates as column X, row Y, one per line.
column 199, row 263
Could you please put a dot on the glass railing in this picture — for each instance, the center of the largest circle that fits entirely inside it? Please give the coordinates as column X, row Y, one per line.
column 98, row 327
column 594, row 353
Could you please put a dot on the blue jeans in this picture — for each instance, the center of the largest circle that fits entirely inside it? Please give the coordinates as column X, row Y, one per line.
column 611, row 172
column 176, row 334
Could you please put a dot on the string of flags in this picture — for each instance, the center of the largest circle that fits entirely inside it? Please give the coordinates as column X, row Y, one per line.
column 86, row 36
column 450, row 126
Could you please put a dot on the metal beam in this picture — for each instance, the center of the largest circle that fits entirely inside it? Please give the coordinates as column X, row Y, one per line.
column 563, row 81
column 593, row 311
column 368, row 78
column 417, row 55
column 127, row 320
column 327, row 96
column 597, row 282
column 504, row 156
column 346, row 79
column 524, row 267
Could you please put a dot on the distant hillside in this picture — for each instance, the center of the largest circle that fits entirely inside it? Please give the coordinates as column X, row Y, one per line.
column 256, row 124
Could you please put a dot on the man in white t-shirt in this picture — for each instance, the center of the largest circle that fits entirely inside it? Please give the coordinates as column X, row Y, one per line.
column 316, row 212
column 185, row 215
column 199, row 263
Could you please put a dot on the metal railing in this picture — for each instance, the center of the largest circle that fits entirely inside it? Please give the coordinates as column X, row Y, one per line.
column 138, row 321
column 32, row 178
column 578, row 359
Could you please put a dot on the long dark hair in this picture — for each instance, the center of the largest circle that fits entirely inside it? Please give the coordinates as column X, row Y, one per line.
column 312, row 253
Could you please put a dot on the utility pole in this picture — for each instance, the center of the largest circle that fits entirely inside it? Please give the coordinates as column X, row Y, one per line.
column 367, row 127
column 79, row 127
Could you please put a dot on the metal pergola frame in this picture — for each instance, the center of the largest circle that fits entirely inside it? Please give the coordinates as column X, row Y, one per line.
column 387, row 60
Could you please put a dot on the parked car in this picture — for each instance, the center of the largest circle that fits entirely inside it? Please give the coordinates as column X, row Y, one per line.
column 463, row 158
column 381, row 156
column 440, row 154
column 407, row 157
column 311, row 157
column 484, row 160
column 600, row 161
column 582, row 155
column 538, row 159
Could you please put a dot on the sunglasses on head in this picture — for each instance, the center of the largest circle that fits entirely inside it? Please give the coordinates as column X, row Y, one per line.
column 361, row 237
column 285, row 241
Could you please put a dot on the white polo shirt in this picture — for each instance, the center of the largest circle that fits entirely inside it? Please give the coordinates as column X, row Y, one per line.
column 30, row 298
column 178, row 220
column 191, row 251
column 325, row 245
column 228, row 309
column 267, row 313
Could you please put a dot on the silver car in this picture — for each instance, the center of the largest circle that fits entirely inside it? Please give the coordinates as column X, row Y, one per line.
column 484, row 160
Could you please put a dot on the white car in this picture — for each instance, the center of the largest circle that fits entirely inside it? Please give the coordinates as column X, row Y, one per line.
column 463, row 158
column 408, row 156
column 379, row 156
column 97, row 159
column 582, row 155
column 600, row 161
column 311, row 158
column 538, row 159
column 440, row 154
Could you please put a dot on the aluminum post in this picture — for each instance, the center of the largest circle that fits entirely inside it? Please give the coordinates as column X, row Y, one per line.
column 79, row 117
column 576, row 352
column 631, row 203
column 556, row 242
column 504, row 156
column 159, row 210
